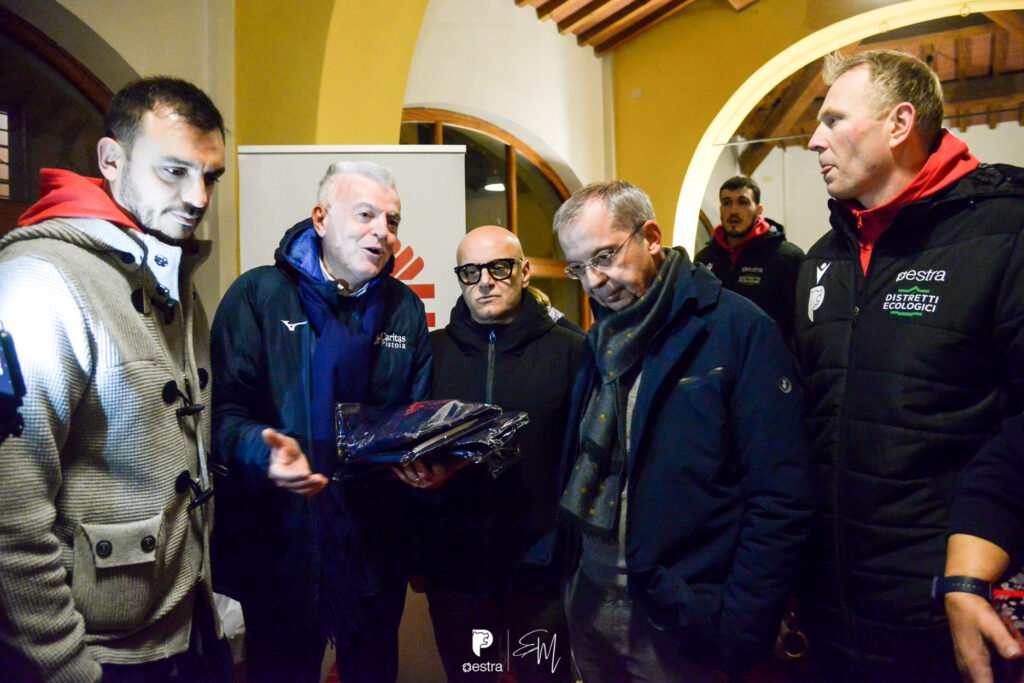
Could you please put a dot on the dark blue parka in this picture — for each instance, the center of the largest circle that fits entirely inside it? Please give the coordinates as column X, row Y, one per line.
column 718, row 503
column 262, row 347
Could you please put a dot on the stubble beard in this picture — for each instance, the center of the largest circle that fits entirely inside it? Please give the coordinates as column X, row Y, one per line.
column 146, row 217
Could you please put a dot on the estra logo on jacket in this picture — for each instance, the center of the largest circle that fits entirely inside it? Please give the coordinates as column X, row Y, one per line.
column 916, row 300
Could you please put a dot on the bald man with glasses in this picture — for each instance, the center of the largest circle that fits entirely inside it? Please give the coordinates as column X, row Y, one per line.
column 494, row 571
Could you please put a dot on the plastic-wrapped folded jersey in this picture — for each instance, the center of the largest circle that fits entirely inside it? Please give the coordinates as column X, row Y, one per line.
column 370, row 437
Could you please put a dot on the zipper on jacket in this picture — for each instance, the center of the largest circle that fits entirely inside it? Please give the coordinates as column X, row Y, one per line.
column 491, row 340
column 842, row 557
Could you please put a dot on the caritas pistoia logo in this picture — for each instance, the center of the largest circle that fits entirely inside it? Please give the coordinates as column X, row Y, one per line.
column 407, row 266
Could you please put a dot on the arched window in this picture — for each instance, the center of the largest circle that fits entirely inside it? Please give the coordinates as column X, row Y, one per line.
column 51, row 114
column 507, row 184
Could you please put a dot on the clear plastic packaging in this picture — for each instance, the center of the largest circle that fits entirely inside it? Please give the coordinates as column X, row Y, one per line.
column 370, row 437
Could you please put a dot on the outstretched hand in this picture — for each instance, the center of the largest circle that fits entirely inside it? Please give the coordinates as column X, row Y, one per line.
column 289, row 467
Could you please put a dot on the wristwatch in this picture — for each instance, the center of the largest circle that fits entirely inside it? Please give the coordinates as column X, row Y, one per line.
column 960, row 584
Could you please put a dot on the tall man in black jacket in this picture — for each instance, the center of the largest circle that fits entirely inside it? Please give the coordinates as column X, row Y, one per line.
column 910, row 335
column 502, row 347
column 750, row 254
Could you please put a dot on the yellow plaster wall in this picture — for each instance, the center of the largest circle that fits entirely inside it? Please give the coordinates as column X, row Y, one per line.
column 366, row 65
column 671, row 82
column 279, row 59
column 323, row 71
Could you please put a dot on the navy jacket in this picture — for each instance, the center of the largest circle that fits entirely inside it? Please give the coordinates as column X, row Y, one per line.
column 718, row 504
column 262, row 346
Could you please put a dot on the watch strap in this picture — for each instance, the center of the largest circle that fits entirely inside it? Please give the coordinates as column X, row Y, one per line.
column 960, row 584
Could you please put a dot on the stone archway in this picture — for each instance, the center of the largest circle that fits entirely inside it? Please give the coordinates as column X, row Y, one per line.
column 788, row 61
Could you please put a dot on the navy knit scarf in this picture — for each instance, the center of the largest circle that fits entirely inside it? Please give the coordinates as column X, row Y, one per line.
column 346, row 328
column 619, row 340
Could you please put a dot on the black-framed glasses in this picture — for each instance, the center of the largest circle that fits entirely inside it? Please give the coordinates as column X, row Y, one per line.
column 499, row 268
column 600, row 261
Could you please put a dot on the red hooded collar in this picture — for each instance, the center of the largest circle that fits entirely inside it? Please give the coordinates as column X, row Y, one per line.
column 69, row 195
column 950, row 162
column 760, row 228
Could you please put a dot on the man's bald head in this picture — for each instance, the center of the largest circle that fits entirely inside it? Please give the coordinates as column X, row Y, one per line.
column 489, row 238
column 492, row 300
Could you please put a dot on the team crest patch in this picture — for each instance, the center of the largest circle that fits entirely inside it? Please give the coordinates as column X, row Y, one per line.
column 816, row 296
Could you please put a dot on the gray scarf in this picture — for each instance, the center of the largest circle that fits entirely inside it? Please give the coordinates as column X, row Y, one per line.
column 619, row 340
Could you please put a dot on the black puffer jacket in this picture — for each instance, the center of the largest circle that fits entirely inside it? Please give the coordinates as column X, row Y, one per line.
column 488, row 524
column 989, row 502
column 765, row 273
column 908, row 371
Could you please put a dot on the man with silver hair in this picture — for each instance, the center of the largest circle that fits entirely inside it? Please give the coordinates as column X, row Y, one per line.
column 910, row 336
column 685, row 468
column 310, row 558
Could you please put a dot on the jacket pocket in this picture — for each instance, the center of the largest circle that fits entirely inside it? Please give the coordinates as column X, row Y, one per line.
column 692, row 613
column 696, row 413
column 115, row 569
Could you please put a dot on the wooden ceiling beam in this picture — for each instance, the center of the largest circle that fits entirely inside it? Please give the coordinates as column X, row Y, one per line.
column 1006, row 91
column 806, row 86
column 616, row 22
column 580, row 17
column 962, row 120
column 976, row 90
column 981, row 115
column 1000, row 46
column 1009, row 21
column 650, row 21
column 545, row 9
column 757, row 119
column 912, row 43
column 963, row 59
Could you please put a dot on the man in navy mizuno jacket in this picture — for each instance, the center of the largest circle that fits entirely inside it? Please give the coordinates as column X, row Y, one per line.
column 326, row 323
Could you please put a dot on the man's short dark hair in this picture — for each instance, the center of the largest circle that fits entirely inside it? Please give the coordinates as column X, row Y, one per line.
column 741, row 182
column 148, row 94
